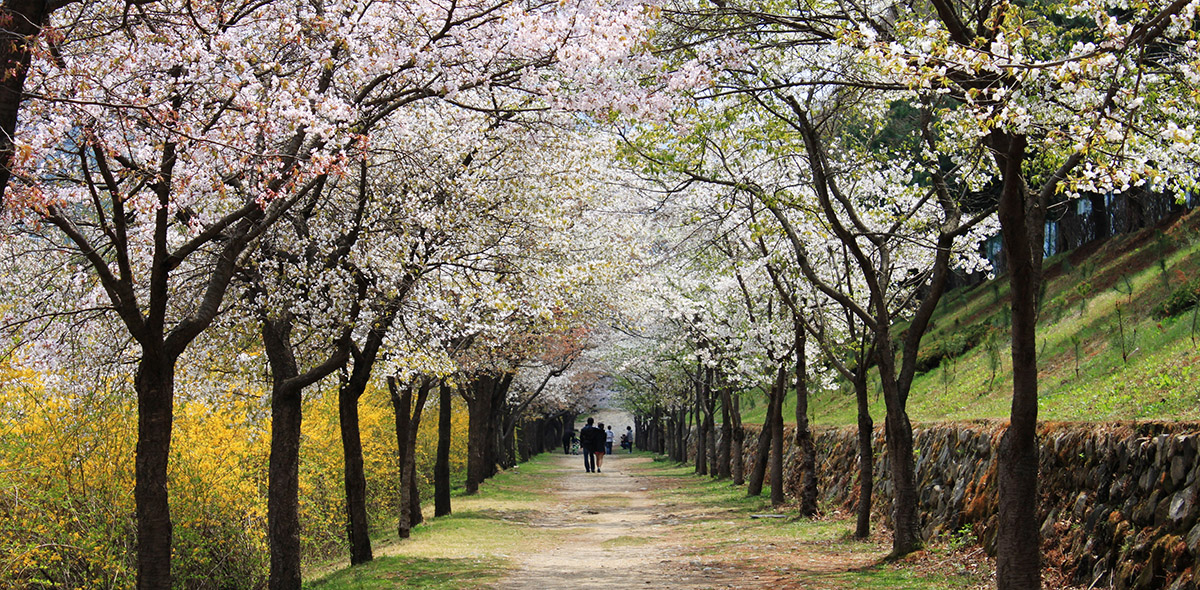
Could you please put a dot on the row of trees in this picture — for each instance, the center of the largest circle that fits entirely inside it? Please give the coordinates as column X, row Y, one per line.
column 844, row 160
column 291, row 193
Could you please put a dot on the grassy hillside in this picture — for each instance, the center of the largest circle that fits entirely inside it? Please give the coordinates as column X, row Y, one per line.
column 1106, row 352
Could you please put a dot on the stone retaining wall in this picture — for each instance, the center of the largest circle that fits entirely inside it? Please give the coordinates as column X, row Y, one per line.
column 1119, row 501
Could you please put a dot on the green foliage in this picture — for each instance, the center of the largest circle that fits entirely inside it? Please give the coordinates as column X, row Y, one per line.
column 946, row 347
column 1180, row 300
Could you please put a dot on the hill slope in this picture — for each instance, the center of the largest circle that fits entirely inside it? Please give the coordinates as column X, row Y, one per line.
column 1104, row 351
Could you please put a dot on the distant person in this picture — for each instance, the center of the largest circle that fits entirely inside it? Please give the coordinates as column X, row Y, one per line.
column 629, row 438
column 608, row 440
column 587, row 438
column 568, row 438
column 598, row 449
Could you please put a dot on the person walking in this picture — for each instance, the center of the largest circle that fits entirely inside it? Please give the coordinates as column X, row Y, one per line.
column 599, row 444
column 629, row 437
column 568, row 438
column 587, row 437
column 608, row 440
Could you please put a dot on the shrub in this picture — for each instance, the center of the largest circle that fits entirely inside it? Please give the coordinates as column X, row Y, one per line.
column 1181, row 300
column 950, row 346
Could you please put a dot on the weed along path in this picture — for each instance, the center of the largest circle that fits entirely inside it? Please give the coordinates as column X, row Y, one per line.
column 548, row 525
column 617, row 536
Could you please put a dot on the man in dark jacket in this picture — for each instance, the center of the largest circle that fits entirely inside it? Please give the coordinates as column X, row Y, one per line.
column 587, row 438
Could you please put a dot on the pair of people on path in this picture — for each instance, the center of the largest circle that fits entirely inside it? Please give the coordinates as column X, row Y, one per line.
column 593, row 442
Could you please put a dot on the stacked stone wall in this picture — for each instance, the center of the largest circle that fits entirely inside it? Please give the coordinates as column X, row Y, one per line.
column 1119, row 502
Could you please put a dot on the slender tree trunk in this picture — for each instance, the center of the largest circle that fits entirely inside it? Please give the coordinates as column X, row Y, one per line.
column 479, row 417
column 805, row 447
column 283, row 497
column 1018, row 561
column 737, row 467
column 402, row 408
column 725, row 452
column 408, row 422
column 415, row 516
column 441, row 469
column 357, row 526
column 866, row 454
column 906, row 531
column 710, row 426
column 283, row 473
column 763, row 450
column 701, row 428
column 22, row 21
column 350, row 392
column 776, row 419
column 155, row 385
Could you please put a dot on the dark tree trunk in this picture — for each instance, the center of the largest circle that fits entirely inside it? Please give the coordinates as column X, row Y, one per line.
column 1018, row 562
column 441, row 469
column 725, row 451
column 701, row 427
column 356, row 480
column 906, row 526
column 710, row 427
column 22, row 22
column 283, row 496
column 763, row 450
column 408, row 421
column 866, row 454
column 283, row 483
column 776, row 419
column 805, row 448
column 415, row 517
column 155, row 385
column 737, row 466
column 486, row 393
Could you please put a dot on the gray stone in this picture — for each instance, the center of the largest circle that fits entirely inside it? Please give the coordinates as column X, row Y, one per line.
column 1193, row 540
column 1179, row 470
column 1080, row 506
column 1183, row 505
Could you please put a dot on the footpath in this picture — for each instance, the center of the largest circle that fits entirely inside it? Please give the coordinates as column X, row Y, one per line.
column 618, row 536
column 549, row 525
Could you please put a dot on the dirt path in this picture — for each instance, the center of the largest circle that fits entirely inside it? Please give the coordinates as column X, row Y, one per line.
column 619, row 537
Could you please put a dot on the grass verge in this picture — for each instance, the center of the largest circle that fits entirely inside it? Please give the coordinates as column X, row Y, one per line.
column 464, row 551
column 715, row 518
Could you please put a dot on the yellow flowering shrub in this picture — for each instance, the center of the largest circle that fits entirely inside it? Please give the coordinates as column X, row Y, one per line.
column 66, row 483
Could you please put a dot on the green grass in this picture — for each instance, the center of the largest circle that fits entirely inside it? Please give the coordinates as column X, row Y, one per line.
column 410, row 572
column 466, row 550
column 1079, row 327
column 715, row 519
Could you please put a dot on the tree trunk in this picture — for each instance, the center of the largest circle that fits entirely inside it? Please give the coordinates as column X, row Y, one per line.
column 866, row 454
column 763, row 450
column 701, row 428
column 441, row 469
column 805, row 448
column 350, row 392
column 487, row 391
column 1018, row 563
column 283, row 489
column 479, row 417
column 776, row 419
column 906, row 530
column 357, row 526
column 710, row 426
column 283, row 474
column 737, row 467
column 155, row 385
column 22, row 21
column 725, row 451
column 401, row 409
